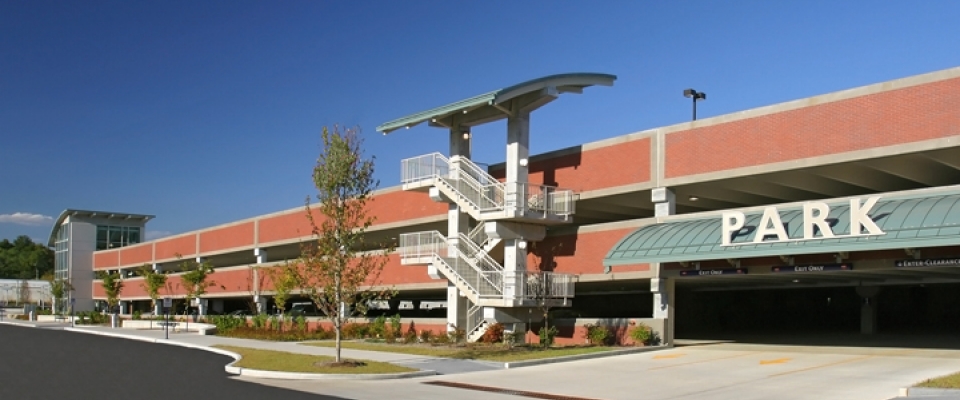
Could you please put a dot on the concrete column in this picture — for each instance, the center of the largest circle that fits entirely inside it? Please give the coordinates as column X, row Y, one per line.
column 200, row 260
column 456, row 309
column 261, row 255
column 868, row 309
column 202, row 305
column 518, row 147
column 664, row 291
column 514, row 265
column 460, row 141
column 664, row 201
column 261, row 302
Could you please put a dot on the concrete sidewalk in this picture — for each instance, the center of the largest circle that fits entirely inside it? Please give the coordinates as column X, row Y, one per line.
column 443, row 366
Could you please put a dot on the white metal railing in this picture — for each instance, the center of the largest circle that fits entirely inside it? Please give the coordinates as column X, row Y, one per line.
column 479, row 235
column 474, row 253
column 427, row 166
column 473, row 266
column 422, row 244
column 545, row 285
column 474, row 319
column 475, row 186
column 548, row 200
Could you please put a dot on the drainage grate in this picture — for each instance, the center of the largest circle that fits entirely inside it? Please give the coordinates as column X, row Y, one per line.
column 491, row 389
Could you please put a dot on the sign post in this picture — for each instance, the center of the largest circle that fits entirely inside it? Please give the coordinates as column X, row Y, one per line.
column 167, row 303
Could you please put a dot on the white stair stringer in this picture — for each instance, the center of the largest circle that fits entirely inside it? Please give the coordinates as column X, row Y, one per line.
column 479, row 277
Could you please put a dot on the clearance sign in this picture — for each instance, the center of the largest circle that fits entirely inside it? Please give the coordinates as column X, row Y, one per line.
column 815, row 213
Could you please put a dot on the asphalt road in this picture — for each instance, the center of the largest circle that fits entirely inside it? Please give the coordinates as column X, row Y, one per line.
column 48, row 364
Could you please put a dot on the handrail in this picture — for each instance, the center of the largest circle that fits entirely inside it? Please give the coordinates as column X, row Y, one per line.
column 434, row 244
column 484, row 192
column 478, row 235
column 427, row 166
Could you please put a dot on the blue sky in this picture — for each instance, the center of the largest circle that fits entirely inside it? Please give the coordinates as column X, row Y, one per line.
column 203, row 113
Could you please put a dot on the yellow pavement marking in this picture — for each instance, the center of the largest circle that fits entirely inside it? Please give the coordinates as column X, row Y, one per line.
column 777, row 361
column 664, row 356
column 849, row 360
column 703, row 361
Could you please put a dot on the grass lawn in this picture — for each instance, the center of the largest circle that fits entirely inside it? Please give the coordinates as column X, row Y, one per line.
column 489, row 353
column 943, row 382
column 269, row 360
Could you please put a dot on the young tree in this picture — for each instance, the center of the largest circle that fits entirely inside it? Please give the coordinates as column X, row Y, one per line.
column 59, row 289
column 284, row 279
column 112, row 286
column 333, row 270
column 152, row 282
column 540, row 286
column 195, row 279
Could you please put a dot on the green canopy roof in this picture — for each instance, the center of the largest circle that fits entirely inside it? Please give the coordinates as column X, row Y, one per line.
column 489, row 106
column 915, row 221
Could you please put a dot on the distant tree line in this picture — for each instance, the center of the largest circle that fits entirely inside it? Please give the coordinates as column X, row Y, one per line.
column 24, row 259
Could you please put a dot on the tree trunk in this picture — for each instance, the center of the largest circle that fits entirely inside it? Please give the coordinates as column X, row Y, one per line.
column 337, row 328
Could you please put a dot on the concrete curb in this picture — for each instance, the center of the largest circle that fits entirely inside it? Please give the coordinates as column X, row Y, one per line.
column 601, row 354
column 18, row 323
column 928, row 392
column 256, row 373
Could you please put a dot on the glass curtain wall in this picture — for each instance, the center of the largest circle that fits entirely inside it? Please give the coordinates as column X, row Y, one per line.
column 111, row 237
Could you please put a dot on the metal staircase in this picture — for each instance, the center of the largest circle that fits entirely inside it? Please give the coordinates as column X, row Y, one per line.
column 464, row 258
column 481, row 195
column 478, row 276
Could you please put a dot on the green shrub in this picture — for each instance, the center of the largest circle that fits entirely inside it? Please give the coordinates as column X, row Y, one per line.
column 395, row 325
column 389, row 335
column 410, row 337
column 494, row 334
column 137, row 315
column 301, row 322
column 547, row 336
column 227, row 323
column 356, row 331
column 457, row 335
column 426, row 336
column 379, row 326
column 275, row 323
column 598, row 335
column 641, row 334
column 440, row 338
column 259, row 321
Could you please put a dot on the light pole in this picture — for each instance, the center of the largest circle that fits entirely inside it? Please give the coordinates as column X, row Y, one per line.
column 695, row 95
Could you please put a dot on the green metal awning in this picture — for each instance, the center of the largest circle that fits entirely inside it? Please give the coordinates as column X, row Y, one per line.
column 909, row 221
column 492, row 106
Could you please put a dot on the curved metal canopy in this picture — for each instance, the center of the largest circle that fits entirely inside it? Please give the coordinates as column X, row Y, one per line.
column 909, row 222
column 52, row 241
column 499, row 104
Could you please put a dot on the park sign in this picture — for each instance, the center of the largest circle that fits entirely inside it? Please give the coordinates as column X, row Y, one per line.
column 815, row 218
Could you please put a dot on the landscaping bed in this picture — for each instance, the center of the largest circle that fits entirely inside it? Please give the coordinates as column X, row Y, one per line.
column 943, row 382
column 471, row 351
column 269, row 360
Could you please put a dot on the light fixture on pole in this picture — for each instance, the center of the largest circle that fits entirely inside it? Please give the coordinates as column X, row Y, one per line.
column 695, row 95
